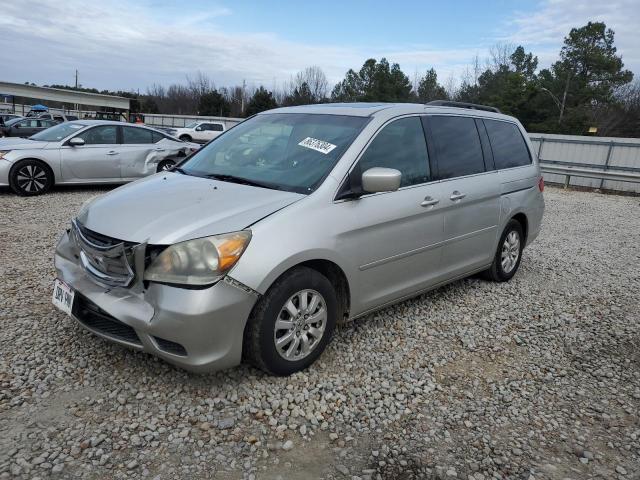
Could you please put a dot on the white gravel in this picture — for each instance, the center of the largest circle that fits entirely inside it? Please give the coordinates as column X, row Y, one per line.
column 537, row 378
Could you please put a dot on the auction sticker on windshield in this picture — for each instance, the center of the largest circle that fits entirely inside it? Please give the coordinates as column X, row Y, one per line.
column 63, row 296
column 317, row 145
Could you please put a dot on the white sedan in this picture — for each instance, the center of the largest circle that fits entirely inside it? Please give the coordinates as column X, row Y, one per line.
column 87, row 151
column 200, row 131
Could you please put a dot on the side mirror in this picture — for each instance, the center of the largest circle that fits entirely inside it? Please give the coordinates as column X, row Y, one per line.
column 198, row 129
column 76, row 142
column 380, row 179
column 17, row 125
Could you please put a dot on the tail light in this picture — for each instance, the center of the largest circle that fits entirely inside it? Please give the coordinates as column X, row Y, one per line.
column 541, row 184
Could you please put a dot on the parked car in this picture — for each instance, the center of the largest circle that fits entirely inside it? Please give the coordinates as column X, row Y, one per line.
column 296, row 219
column 58, row 117
column 201, row 132
column 24, row 127
column 5, row 117
column 84, row 152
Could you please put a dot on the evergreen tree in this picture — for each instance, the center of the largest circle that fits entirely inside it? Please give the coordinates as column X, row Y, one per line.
column 262, row 100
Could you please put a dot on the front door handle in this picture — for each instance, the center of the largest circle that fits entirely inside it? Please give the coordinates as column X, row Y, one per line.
column 113, row 152
column 429, row 202
column 456, row 195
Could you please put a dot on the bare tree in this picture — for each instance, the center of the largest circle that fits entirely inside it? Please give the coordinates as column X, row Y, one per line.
column 316, row 80
column 500, row 55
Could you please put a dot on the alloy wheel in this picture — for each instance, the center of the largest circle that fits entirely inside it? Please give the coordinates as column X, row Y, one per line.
column 31, row 178
column 510, row 251
column 300, row 325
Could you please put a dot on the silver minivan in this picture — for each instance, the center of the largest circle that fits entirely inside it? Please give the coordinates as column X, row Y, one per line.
column 295, row 220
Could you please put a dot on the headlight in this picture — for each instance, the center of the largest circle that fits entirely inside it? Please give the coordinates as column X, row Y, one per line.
column 3, row 153
column 202, row 261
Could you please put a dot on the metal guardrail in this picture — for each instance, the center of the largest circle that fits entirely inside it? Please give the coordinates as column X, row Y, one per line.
column 568, row 172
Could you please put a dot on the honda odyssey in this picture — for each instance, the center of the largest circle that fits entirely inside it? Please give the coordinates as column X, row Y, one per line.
column 297, row 219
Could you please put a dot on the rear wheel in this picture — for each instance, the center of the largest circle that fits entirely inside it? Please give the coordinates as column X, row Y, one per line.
column 185, row 138
column 30, row 177
column 292, row 324
column 508, row 255
column 165, row 165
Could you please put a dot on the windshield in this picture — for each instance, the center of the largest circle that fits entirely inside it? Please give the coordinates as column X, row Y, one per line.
column 191, row 125
column 11, row 121
column 58, row 132
column 286, row 151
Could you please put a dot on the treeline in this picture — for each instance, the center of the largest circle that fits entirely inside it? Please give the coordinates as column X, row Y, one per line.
column 586, row 87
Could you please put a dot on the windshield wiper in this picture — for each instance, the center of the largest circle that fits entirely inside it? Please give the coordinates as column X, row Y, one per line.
column 179, row 170
column 241, row 180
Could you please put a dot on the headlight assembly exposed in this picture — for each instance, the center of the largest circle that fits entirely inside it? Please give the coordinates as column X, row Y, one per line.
column 202, row 261
column 3, row 153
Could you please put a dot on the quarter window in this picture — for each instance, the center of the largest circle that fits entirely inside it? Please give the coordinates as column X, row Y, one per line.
column 400, row 145
column 103, row 135
column 509, row 148
column 457, row 146
column 136, row 135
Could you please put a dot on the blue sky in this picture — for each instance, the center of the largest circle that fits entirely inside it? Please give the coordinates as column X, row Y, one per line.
column 119, row 44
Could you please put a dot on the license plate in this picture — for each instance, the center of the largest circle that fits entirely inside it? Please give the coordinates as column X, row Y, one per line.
column 62, row 296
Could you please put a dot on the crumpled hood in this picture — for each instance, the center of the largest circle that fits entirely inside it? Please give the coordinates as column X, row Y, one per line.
column 17, row 143
column 167, row 208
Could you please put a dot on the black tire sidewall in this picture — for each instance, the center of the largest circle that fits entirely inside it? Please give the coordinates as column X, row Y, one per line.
column 13, row 181
column 501, row 275
column 163, row 163
column 299, row 279
column 185, row 138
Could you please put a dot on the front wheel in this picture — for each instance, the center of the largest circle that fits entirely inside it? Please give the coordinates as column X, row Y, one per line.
column 292, row 324
column 185, row 138
column 30, row 177
column 508, row 255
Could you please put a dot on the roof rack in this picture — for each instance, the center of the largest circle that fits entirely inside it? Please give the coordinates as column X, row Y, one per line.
column 473, row 106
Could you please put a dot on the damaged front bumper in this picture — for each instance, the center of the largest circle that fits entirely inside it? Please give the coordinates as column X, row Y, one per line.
column 196, row 329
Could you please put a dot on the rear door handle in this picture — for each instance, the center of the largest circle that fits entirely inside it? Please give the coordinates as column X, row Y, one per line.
column 456, row 195
column 113, row 152
column 429, row 202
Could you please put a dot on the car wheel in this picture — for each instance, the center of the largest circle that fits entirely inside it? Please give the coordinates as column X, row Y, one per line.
column 165, row 165
column 508, row 255
column 30, row 177
column 185, row 138
column 292, row 323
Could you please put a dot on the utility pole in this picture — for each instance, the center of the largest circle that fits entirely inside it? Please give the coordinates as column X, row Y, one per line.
column 76, row 105
column 244, row 85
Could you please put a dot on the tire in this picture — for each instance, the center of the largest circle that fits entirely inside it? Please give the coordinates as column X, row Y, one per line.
column 261, row 333
column 165, row 165
column 503, row 269
column 30, row 177
column 185, row 138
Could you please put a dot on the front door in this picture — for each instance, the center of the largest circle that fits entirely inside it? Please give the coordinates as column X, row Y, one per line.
column 471, row 193
column 395, row 238
column 97, row 159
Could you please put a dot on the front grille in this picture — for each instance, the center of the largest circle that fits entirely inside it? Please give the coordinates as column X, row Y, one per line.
column 93, row 317
column 106, row 259
column 170, row 347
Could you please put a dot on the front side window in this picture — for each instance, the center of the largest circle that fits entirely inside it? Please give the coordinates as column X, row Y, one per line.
column 457, row 146
column 286, row 151
column 103, row 135
column 509, row 148
column 133, row 135
column 29, row 124
column 400, row 145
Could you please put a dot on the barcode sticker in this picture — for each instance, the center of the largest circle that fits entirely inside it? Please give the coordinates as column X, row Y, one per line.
column 317, row 145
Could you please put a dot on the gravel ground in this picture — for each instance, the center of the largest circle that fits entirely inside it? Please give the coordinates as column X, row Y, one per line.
column 537, row 378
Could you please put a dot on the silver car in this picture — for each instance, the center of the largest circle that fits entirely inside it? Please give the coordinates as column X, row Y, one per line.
column 295, row 220
column 86, row 151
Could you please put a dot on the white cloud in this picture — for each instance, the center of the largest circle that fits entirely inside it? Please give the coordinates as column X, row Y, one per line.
column 544, row 30
column 125, row 45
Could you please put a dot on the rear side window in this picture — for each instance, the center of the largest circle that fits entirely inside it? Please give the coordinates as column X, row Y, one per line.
column 509, row 148
column 157, row 136
column 400, row 145
column 457, row 146
column 134, row 135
